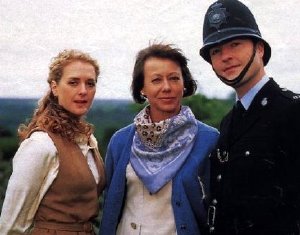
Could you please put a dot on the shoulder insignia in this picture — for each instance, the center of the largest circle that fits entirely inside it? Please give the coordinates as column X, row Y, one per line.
column 289, row 94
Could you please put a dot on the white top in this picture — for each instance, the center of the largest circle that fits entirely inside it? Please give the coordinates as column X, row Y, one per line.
column 35, row 166
column 146, row 214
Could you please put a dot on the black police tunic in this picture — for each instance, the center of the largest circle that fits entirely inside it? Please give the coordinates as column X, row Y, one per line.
column 255, row 175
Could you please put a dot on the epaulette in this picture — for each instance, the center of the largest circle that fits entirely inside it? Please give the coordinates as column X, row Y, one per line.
column 289, row 94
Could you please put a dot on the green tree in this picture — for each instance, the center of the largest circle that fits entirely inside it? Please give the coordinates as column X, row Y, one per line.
column 209, row 111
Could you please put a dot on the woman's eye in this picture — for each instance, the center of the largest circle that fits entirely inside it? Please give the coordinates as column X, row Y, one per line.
column 174, row 78
column 156, row 80
column 73, row 83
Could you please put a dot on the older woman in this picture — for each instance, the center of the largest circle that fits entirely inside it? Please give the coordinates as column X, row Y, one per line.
column 157, row 168
column 58, row 173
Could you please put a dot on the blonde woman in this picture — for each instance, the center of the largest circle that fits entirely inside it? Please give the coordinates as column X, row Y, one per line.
column 58, row 173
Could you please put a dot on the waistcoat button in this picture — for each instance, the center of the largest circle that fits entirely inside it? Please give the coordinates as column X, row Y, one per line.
column 133, row 225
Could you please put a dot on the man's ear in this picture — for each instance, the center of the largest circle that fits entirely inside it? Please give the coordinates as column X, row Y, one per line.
column 260, row 47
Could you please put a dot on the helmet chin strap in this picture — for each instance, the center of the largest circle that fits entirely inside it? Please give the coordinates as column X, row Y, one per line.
column 236, row 80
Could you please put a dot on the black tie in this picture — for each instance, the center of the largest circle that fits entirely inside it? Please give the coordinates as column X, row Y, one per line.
column 240, row 106
column 237, row 118
column 239, row 111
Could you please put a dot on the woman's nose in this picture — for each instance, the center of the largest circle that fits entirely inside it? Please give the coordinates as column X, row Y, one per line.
column 166, row 85
column 82, row 89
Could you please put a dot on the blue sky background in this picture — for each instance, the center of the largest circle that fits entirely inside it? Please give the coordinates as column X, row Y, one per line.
column 112, row 31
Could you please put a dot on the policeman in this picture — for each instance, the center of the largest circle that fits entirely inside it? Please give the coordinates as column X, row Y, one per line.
column 255, row 179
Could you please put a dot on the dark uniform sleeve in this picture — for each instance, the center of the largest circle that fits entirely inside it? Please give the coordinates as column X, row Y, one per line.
column 291, row 150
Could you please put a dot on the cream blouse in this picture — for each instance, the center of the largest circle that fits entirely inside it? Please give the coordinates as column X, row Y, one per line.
column 143, row 213
column 35, row 166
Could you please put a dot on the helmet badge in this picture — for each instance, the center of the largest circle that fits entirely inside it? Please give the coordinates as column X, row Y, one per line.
column 217, row 15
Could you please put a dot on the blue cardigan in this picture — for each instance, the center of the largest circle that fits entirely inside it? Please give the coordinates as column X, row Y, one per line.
column 187, row 194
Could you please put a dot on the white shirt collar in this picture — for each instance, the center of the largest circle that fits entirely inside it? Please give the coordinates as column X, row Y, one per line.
column 247, row 99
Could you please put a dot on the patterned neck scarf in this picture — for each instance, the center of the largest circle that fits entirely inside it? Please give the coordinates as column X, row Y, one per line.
column 159, row 149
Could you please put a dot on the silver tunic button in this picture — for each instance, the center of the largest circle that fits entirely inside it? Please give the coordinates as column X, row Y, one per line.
column 247, row 153
column 219, row 177
column 264, row 101
column 214, row 201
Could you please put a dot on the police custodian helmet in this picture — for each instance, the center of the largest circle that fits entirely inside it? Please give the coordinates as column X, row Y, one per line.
column 229, row 19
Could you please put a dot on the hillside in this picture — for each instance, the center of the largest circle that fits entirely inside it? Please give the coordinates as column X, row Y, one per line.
column 103, row 112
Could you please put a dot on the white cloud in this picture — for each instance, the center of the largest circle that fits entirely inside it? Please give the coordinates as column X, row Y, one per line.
column 113, row 31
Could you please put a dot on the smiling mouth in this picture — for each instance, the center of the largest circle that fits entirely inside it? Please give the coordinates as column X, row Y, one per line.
column 230, row 68
column 167, row 100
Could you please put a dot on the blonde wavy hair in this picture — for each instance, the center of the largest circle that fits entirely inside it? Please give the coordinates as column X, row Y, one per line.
column 49, row 115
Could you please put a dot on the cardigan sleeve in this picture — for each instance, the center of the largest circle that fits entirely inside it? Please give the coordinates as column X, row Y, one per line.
column 35, row 166
column 116, row 146
column 109, row 164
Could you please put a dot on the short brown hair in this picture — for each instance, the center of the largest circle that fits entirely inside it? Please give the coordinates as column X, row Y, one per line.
column 165, row 51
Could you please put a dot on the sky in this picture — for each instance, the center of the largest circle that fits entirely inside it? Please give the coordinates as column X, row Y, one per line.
column 113, row 31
